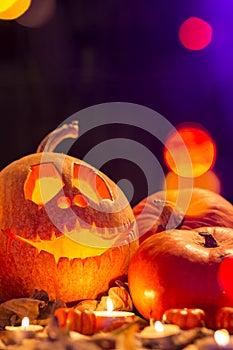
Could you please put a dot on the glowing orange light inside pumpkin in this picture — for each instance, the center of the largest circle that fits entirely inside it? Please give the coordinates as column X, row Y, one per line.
column 12, row 9
column 43, row 183
column 195, row 33
column 200, row 146
column 209, row 181
column 80, row 201
column 222, row 337
column 66, row 247
column 63, row 202
column 90, row 183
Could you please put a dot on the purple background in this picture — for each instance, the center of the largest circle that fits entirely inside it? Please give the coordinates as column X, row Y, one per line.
column 94, row 52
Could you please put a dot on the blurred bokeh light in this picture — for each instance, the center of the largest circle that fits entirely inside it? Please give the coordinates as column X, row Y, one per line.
column 209, row 181
column 200, row 146
column 39, row 13
column 12, row 9
column 225, row 276
column 195, row 33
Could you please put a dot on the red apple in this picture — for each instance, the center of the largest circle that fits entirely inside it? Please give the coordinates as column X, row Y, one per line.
column 179, row 269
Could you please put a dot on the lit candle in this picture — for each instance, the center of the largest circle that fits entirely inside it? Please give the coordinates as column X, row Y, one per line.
column 26, row 330
column 105, row 318
column 25, row 323
column 159, row 330
column 222, row 337
column 159, row 334
column 220, row 341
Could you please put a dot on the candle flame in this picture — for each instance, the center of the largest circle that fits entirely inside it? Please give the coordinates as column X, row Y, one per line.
column 25, row 323
column 158, row 326
column 222, row 337
column 110, row 306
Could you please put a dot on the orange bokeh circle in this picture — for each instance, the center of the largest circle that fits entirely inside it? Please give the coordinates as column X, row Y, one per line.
column 12, row 9
column 209, row 181
column 200, row 146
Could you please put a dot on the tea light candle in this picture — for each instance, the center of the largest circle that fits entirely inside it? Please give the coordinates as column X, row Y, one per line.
column 160, row 334
column 105, row 318
column 220, row 341
column 26, row 330
column 159, row 330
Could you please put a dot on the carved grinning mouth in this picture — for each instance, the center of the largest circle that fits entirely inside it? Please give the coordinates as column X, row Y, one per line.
column 82, row 243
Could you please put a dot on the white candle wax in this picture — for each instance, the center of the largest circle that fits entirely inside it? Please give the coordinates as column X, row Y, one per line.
column 30, row 328
column 26, row 330
column 161, row 335
column 215, row 342
column 105, row 318
column 167, row 331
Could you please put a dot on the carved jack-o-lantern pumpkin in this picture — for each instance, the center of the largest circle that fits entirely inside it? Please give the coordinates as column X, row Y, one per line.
column 65, row 227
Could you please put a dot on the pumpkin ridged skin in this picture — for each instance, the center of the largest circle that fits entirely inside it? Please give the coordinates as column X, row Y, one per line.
column 83, row 322
column 61, row 315
column 224, row 319
column 172, row 269
column 206, row 208
column 185, row 318
column 23, row 269
column 158, row 216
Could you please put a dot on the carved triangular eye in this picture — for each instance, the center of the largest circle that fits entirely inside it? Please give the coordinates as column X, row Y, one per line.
column 43, row 183
column 90, row 183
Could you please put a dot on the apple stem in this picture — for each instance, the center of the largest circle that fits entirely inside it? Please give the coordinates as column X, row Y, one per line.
column 50, row 142
column 210, row 241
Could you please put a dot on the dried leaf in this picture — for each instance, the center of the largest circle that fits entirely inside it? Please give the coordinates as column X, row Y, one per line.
column 88, row 304
column 102, row 305
column 49, row 308
column 126, row 338
column 53, row 328
column 40, row 295
column 121, row 284
column 15, row 309
column 120, row 298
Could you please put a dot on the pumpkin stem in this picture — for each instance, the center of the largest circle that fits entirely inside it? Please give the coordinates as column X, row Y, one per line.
column 170, row 217
column 210, row 241
column 50, row 142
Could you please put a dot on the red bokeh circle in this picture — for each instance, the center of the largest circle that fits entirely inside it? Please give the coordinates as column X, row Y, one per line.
column 195, row 33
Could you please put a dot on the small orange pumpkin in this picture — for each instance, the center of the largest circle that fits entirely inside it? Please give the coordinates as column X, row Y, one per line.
column 65, row 227
column 61, row 314
column 224, row 318
column 83, row 322
column 185, row 318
